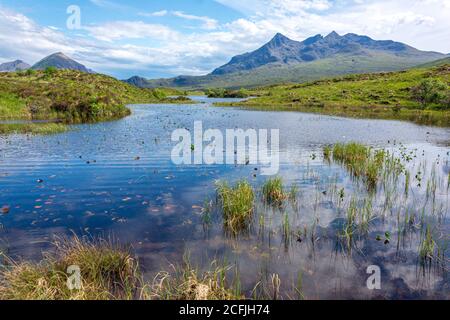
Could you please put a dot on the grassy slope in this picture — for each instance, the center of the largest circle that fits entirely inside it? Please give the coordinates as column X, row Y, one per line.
column 436, row 63
column 382, row 95
column 67, row 96
column 339, row 65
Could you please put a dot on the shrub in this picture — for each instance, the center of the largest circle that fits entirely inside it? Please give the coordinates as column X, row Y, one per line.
column 429, row 91
column 49, row 71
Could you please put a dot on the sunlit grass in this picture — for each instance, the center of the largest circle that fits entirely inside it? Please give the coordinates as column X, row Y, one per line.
column 186, row 282
column 33, row 128
column 384, row 95
column 107, row 272
column 361, row 161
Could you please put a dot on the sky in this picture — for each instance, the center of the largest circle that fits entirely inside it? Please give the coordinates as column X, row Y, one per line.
column 164, row 38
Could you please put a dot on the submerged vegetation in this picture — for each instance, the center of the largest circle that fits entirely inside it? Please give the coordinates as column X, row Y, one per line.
column 420, row 95
column 69, row 97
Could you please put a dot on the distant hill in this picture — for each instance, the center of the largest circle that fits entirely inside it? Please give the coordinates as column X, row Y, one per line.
column 137, row 81
column 60, row 61
column 12, row 66
column 286, row 60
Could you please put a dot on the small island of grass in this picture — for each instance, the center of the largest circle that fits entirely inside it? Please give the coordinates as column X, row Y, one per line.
column 67, row 97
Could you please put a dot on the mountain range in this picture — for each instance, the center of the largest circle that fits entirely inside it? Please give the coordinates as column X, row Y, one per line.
column 286, row 60
column 57, row 60
column 14, row 66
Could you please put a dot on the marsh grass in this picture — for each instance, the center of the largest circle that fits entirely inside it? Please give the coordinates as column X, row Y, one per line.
column 293, row 195
column 371, row 166
column 427, row 248
column 273, row 192
column 286, row 230
column 107, row 272
column 327, row 152
column 186, row 282
column 237, row 205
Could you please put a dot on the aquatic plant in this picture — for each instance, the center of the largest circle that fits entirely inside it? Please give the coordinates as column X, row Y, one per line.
column 286, row 230
column 327, row 152
column 273, row 191
column 366, row 164
column 237, row 204
column 427, row 247
column 350, row 224
column 293, row 194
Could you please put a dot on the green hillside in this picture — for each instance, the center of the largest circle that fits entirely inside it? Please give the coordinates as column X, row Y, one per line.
column 436, row 63
column 373, row 61
column 420, row 95
column 68, row 97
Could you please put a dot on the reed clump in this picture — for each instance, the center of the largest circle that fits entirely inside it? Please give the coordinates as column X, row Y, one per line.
column 361, row 161
column 237, row 204
column 273, row 192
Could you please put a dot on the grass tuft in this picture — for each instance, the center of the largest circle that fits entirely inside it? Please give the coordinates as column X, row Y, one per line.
column 237, row 205
column 185, row 282
column 108, row 272
column 273, row 191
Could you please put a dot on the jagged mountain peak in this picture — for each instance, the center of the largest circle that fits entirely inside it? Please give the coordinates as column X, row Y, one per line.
column 281, row 50
column 280, row 38
column 333, row 35
column 12, row 66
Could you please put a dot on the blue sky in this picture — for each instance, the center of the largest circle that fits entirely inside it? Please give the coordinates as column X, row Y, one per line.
column 157, row 38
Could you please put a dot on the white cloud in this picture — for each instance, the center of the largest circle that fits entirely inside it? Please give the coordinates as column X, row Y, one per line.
column 107, row 4
column 131, row 30
column 161, row 13
column 208, row 23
